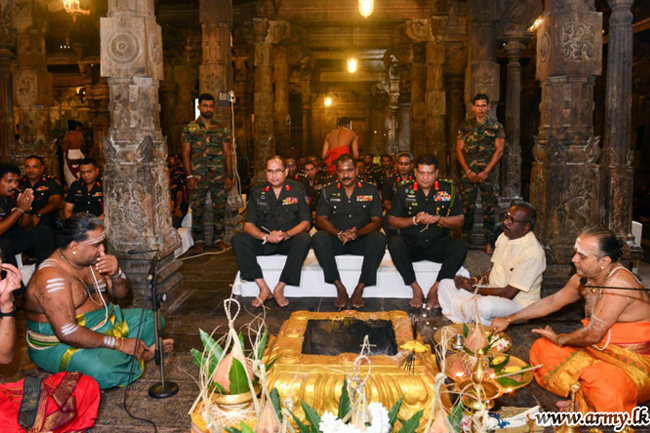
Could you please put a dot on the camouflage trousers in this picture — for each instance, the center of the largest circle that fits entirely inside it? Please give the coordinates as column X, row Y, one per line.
column 216, row 186
column 489, row 196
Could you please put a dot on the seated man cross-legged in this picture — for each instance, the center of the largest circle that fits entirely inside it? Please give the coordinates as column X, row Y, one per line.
column 349, row 221
column 514, row 282
column 71, row 326
column 277, row 222
column 424, row 211
column 610, row 355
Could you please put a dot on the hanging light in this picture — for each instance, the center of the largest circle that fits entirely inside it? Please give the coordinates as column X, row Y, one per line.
column 74, row 9
column 328, row 102
column 352, row 65
column 366, row 7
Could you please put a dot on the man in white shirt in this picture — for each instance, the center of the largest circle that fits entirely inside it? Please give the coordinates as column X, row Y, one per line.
column 513, row 282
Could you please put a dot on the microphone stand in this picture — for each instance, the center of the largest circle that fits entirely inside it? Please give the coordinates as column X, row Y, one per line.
column 161, row 389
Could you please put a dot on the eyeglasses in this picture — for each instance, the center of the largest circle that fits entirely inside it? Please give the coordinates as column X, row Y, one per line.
column 276, row 171
column 511, row 219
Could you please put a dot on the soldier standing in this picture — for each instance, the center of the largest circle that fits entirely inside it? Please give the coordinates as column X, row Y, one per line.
column 479, row 149
column 208, row 167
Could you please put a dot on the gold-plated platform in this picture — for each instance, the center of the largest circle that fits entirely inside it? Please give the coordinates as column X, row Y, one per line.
column 317, row 379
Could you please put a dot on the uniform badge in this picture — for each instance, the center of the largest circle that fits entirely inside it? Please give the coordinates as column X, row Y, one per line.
column 364, row 198
column 442, row 196
column 289, row 201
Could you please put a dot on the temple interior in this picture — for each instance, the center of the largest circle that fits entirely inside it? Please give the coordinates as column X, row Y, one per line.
column 569, row 80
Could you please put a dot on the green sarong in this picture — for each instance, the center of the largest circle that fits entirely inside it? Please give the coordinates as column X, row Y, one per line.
column 108, row 367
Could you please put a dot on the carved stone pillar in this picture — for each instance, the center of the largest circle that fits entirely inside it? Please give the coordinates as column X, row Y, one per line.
column 32, row 87
column 185, row 75
column 418, row 104
column 305, row 93
column 565, row 175
column 393, row 73
column 482, row 68
column 436, row 104
column 136, row 178
column 216, row 67
column 456, row 86
column 511, row 162
column 618, row 157
column 281, row 99
column 7, row 46
column 98, row 96
column 266, row 32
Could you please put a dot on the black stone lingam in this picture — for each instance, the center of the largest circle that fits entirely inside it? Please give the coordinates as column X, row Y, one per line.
column 333, row 337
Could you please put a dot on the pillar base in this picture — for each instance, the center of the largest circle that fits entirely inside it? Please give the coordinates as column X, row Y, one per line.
column 169, row 281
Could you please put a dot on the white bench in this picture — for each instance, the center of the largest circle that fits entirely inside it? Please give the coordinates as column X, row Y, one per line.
column 312, row 283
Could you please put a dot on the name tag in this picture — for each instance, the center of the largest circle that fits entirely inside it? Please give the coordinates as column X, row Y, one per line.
column 364, row 198
column 335, row 199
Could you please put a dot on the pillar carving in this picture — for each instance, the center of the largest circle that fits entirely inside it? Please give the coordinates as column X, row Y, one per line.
column 136, row 178
column 565, row 175
column 98, row 96
column 32, row 87
column 455, row 67
column 393, row 78
column 436, row 104
column 511, row 162
column 7, row 47
column 266, row 33
column 281, row 99
column 305, row 94
column 618, row 156
column 418, row 104
column 186, row 75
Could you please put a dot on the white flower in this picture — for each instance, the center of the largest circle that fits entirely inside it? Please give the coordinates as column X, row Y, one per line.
column 328, row 423
column 379, row 422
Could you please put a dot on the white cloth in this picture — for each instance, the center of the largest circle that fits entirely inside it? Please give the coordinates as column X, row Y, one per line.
column 71, row 155
column 459, row 305
column 518, row 263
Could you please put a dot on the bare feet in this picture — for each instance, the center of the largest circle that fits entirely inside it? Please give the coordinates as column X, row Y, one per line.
column 278, row 294
column 356, row 301
column 489, row 249
column 168, row 346
column 264, row 296
column 342, row 295
column 418, row 298
column 198, row 247
column 432, row 298
column 221, row 245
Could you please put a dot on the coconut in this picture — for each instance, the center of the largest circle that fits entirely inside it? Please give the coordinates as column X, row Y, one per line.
column 222, row 372
column 476, row 339
column 268, row 422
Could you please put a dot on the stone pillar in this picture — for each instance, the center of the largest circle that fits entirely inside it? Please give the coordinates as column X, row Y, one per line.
column 393, row 72
column 185, row 75
column 97, row 96
column 511, row 162
column 7, row 46
column 305, row 93
column 618, row 156
column 418, row 104
column 436, row 103
column 456, row 86
column 565, row 176
column 32, row 87
column 282, row 129
column 482, row 69
column 263, row 104
column 215, row 72
column 136, row 178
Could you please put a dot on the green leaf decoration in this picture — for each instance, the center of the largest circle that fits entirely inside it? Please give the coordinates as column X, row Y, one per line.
column 237, row 376
column 241, row 340
column 262, row 346
column 344, row 401
column 220, row 389
column 277, row 405
column 508, row 382
column 212, row 348
column 465, row 330
column 455, row 417
column 412, row 424
column 468, row 350
column 270, row 364
column 498, row 368
column 232, row 430
column 245, row 428
column 311, row 417
column 392, row 413
column 302, row 426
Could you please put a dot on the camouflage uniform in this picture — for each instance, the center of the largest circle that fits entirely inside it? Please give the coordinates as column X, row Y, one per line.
column 479, row 148
column 209, row 170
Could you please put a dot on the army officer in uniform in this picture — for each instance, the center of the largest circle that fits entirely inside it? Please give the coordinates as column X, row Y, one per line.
column 349, row 221
column 424, row 211
column 277, row 222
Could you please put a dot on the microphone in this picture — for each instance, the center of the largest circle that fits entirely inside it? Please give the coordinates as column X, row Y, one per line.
column 155, row 250
column 584, row 281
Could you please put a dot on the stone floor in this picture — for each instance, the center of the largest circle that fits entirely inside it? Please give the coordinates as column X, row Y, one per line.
column 207, row 284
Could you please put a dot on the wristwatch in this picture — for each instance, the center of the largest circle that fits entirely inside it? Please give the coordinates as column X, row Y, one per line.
column 39, row 215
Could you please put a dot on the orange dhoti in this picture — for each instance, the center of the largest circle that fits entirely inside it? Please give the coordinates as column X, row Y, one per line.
column 332, row 156
column 613, row 380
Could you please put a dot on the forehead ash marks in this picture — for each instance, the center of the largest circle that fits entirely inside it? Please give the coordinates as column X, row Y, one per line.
column 54, row 285
column 95, row 240
column 584, row 248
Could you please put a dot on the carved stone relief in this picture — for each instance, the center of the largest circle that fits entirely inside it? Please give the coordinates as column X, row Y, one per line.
column 578, row 41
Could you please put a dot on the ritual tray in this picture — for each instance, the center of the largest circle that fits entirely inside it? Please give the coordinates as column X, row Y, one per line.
column 455, row 371
column 457, row 328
